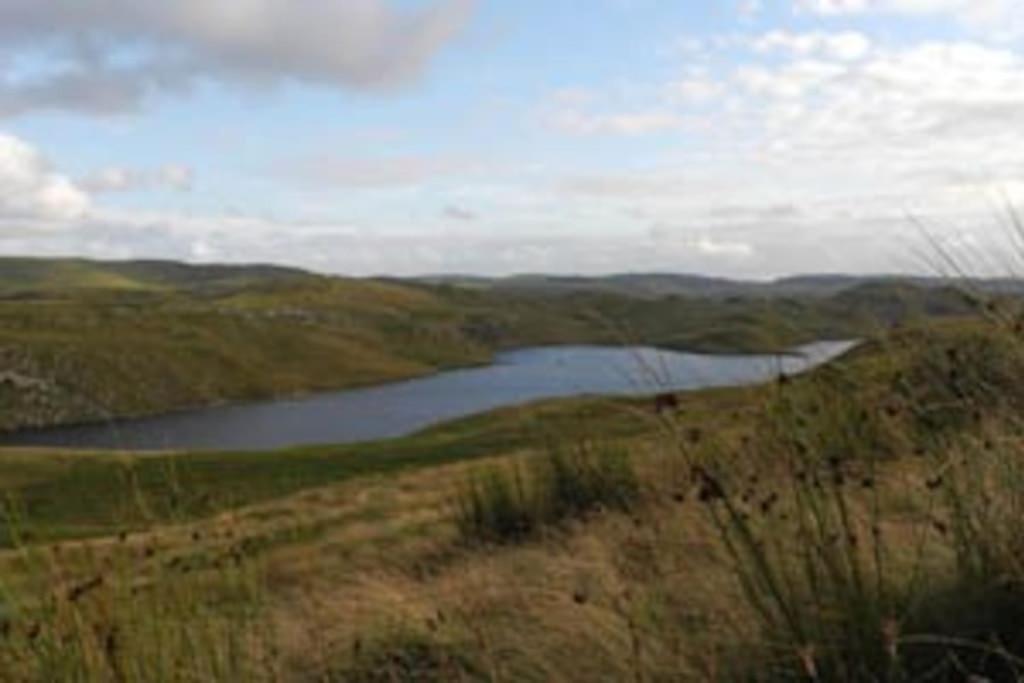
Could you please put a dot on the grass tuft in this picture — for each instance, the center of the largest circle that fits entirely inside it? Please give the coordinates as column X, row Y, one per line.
column 507, row 503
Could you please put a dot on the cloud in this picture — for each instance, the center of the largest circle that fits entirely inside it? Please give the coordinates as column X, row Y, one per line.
column 936, row 104
column 844, row 46
column 583, row 112
column 633, row 185
column 176, row 177
column 107, row 56
column 771, row 153
column 835, row 7
column 329, row 171
column 1005, row 16
column 755, row 213
column 30, row 189
column 750, row 9
column 702, row 244
column 711, row 247
column 823, row 148
column 459, row 214
column 794, row 81
column 632, row 123
column 696, row 89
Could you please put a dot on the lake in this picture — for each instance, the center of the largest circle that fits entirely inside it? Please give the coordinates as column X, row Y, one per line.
column 401, row 408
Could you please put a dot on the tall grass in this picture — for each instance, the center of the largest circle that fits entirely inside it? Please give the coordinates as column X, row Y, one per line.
column 509, row 502
column 842, row 587
column 865, row 523
column 133, row 608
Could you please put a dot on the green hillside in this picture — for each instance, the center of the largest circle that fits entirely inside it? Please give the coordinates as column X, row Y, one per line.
column 657, row 285
column 27, row 275
column 83, row 341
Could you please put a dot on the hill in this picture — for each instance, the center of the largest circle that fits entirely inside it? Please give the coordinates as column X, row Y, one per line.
column 657, row 285
column 86, row 341
column 28, row 275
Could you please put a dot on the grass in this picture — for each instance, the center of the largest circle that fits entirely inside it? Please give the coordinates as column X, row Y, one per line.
column 858, row 523
column 822, row 540
column 180, row 487
column 840, row 586
column 130, row 612
column 512, row 502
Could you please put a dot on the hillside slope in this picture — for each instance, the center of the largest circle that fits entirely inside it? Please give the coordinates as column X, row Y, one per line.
column 85, row 341
column 658, row 285
column 893, row 477
column 34, row 275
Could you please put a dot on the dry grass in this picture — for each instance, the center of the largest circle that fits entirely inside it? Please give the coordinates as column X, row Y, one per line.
column 813, row 533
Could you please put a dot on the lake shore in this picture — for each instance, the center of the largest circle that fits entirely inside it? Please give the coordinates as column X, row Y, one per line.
column 402, row 408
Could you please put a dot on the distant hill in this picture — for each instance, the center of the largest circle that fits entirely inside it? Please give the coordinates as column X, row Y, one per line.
column 19, row 275
column 657, row 285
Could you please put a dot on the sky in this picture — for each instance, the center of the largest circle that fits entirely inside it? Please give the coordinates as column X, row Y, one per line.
column 740, row 138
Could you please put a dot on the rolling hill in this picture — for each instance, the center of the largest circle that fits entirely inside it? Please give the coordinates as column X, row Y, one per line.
column 19, row 275
column 657, row 285
column 86, row 340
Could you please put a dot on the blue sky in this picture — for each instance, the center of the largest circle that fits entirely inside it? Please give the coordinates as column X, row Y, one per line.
column 745, row 138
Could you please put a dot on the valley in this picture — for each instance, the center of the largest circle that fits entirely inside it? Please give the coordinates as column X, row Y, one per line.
column 91, row 342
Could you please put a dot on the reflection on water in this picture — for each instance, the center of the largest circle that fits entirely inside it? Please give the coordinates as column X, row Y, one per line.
column 403, row 407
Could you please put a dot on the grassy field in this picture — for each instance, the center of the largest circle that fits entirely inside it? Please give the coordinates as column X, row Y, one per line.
column 181, row 487
column 857, row 523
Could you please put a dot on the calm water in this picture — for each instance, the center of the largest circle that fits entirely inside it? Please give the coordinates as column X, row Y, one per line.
column 401, row 408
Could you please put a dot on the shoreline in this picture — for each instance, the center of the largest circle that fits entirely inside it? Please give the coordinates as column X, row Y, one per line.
column 115, row 422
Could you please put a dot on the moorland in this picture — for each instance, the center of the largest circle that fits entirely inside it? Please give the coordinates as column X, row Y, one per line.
column 859, row 522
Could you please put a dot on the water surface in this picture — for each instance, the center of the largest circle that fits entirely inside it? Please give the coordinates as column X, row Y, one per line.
column 400, row 408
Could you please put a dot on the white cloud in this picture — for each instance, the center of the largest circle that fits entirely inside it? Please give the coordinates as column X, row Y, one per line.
column 1004, row 16
column 31, row 189
column 177, row 177
column 711, row 247
column 634, row 185
column 332, row 171
column 835, row 7
column 778, row 152
column 107, row 55
column 630, row 123
column 690, row 46
column 815, row 156
column 794, row 81
column 697, row 89
column 844, row 46
column 936, row 104
column 750, row 9
column 459, row 213
column 702, row 244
